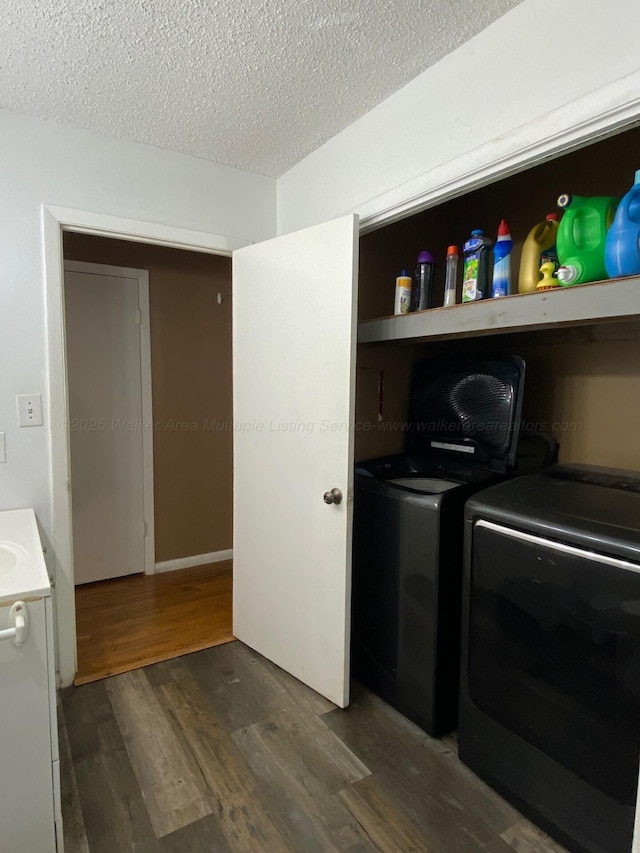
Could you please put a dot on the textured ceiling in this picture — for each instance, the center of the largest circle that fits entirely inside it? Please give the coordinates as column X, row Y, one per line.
column 256, row 84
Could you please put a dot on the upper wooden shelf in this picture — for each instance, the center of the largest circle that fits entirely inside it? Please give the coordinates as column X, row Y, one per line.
column 615, row 299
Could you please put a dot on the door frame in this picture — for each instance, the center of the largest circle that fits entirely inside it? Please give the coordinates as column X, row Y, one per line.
column 56, row 220
column 141, row 276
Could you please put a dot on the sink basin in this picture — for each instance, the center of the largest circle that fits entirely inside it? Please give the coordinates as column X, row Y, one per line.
column 23, row 573
column 11, row 555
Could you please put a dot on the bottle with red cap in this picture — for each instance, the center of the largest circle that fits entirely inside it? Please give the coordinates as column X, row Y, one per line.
column 502, row 262
column 538, row 248
column 451, row 276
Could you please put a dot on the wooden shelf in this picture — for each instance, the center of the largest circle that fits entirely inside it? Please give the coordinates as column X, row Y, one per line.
column 582, row 305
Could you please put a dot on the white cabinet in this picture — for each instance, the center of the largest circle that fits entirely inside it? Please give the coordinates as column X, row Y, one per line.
column 30, row 818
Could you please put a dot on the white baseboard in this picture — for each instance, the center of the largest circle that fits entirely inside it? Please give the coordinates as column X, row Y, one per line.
column 196, row 560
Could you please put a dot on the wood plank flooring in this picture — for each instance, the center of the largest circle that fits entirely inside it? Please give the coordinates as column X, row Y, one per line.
column 222, row 752
column 129, row 622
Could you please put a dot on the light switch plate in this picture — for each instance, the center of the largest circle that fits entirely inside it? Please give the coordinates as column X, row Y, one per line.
column 29, row 410
column 3, row 448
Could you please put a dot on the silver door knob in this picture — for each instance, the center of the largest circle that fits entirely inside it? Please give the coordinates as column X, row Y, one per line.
column 333, row 497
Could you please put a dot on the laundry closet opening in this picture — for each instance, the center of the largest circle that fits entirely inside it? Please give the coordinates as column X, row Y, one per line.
column 130, row 614
column 582, row 377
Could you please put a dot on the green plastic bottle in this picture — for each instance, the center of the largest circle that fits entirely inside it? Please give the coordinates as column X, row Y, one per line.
column 581, row 237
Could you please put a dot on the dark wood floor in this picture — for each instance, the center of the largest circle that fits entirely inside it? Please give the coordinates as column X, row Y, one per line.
column 130, row 622
column 221, row 751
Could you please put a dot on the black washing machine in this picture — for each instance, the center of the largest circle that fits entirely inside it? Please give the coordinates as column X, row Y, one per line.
column 408, row 532
column 550, row 682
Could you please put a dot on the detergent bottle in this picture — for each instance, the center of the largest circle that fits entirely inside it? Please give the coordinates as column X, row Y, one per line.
column 622, row 246
column 502, row 262
column 402, row 301
column 581, row 237
column 538, row 248
column 476, row 275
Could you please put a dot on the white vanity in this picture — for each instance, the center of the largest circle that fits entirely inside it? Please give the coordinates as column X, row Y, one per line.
column 30, row 816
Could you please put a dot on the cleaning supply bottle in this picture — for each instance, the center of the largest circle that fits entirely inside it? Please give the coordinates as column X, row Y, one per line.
column 581, row 237
column 502, row 262
column 421, row 296
column 403, row 294
column 538, row 248
column 622, row 246
column 451, row 274
column 476, row 274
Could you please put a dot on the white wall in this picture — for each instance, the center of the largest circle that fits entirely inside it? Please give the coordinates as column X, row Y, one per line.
column 55, row 164
column 488, row 99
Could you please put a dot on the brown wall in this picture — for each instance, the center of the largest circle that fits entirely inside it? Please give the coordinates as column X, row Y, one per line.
column 192, row 389
column 588, row 394
column 582, row 386
column 390, row 366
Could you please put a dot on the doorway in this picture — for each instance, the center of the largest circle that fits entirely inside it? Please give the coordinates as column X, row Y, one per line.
column 183, row 604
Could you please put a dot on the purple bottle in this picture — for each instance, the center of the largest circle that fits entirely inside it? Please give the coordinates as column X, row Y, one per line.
column 422, row 292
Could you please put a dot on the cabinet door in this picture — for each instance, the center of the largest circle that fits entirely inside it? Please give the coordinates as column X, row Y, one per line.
column 294, row 347
column 27, row 819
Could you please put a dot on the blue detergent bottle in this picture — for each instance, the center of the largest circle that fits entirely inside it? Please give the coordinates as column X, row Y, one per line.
column 622, row 246
column 502, row 262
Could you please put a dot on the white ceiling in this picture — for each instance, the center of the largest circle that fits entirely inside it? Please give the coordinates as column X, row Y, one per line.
column 256, row 84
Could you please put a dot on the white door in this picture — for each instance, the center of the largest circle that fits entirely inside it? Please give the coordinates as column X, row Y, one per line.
column 110, row 431
column 294, row 347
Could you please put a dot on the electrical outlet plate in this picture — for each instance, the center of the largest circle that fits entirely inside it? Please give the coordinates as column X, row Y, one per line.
column 29, row 410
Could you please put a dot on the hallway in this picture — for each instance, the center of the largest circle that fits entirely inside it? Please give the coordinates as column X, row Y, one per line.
column 137, row 620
